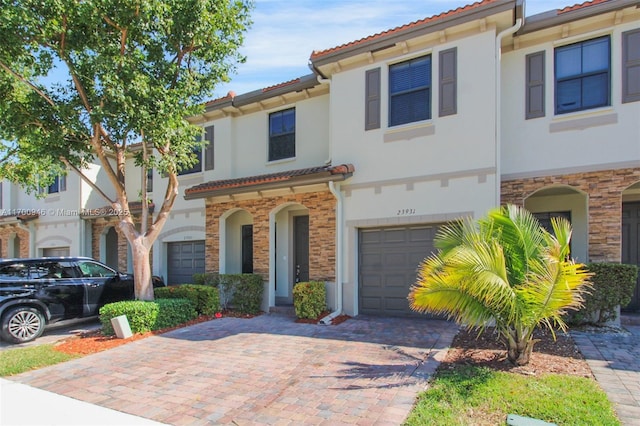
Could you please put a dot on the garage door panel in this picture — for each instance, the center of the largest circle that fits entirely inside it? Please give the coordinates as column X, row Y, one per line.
column 371, row 303
column 395, row 236
column 388, row 262
column 185, row 259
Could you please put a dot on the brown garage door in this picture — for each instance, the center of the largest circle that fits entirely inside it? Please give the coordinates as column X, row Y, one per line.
column 55, row 251
column 388, row 260
column 184, row 259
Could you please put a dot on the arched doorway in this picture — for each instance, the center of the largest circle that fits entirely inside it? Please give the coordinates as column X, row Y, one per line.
column 290, row 251
column 238, row 243
column 570, row 203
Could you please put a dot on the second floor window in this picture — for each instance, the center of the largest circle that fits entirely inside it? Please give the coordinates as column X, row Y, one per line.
column 583, row 75
column 197, row 166
column 58, row 185
column 410, row 91
column 282, row 134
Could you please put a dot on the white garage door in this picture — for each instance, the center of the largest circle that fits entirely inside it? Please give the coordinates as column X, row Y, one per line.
column 388, row 261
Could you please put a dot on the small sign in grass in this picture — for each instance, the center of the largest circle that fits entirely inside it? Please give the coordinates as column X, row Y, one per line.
column 476, row 395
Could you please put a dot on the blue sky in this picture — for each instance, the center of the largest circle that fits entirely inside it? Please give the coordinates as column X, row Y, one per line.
column 285, row 32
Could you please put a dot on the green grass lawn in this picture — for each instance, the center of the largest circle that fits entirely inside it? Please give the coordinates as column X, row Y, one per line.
column 481, row 396
column 19, row 360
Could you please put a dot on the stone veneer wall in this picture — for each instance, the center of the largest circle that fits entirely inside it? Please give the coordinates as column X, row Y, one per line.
column 99, row 227
column 7, row 233
column 322, row 226
column 604, row 192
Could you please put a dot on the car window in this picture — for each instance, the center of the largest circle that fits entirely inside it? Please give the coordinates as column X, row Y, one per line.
column 91, row 269
column 54, row 270
column 14, row 271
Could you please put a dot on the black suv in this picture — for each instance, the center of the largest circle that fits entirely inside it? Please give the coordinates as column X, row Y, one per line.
column 34, row 292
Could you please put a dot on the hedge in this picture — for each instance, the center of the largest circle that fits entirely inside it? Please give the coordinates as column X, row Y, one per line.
column 148, row 316
column 612, row 286
column 205, row 298
column 309, row 299
column 242, row 292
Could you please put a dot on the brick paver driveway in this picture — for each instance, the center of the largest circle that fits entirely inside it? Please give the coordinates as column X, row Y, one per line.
column 265, row 370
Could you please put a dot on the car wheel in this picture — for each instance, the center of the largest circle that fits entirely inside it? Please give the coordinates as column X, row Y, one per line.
column 22, row 324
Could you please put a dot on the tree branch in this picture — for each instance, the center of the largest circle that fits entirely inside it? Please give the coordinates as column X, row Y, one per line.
column 86, row 179
column 28, row 83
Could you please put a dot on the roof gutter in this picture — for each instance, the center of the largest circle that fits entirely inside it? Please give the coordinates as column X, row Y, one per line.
column 519, row 15
column 339, row 261
column 325, row 177
column 553, row 18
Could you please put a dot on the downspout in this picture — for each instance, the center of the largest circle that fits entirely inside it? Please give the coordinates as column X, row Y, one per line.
column 498, row 119
column 322, row 79
column 339, row 231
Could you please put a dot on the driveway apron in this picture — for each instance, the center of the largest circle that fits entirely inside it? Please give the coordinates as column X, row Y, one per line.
column 265, row 370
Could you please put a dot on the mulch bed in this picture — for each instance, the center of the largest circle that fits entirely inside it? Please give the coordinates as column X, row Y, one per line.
column 559, row 356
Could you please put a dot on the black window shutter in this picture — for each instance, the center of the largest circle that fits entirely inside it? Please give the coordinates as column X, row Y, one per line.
column 631, row 66
column 208, row 151
column 448, row 82
column 535, row 85
column 372, row 99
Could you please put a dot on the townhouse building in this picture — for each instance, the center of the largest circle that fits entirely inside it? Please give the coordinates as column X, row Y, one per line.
column 345, row 174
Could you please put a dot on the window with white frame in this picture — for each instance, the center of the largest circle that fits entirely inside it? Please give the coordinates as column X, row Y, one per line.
column 282, row 134
column 59, row 185
column 410, row 91
column 583, row 75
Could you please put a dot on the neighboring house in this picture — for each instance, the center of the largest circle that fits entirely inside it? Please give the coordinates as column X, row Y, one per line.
column 344, row 175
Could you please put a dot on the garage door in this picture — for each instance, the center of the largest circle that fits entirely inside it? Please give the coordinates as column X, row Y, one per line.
column 55, row 251
column 184, row 259
column 388, row 260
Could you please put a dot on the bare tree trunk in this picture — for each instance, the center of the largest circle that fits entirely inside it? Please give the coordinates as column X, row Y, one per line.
column 142, row 269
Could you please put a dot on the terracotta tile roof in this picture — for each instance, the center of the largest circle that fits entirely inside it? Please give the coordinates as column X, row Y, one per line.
column 580, row 6
column 317, row 54
column 285, row 84
column 289, row 176
column 21, row 217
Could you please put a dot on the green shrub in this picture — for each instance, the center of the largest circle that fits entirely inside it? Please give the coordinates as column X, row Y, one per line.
column 246, row 290
column 174, row 312
column 148, row 316
column 141, row 315
column 205, row 298
column 208, row 278
column 309, row 299
column 612, row 286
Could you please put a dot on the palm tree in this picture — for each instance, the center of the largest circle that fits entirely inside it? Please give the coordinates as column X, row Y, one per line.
column 506, row 270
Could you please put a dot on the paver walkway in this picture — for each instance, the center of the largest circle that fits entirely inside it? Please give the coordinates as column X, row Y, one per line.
column 614, row 359
column 265, row 370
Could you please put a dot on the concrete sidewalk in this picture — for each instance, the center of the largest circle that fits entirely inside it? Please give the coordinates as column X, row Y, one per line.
column 25, row 405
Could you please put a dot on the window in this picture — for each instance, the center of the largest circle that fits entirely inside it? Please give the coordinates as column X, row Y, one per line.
column 410, row 91
column 0, row 195
column 58, row 185
column 197, row 166
column 583, row 75
column 149, row 180
column 93, row 270
column 282, row 134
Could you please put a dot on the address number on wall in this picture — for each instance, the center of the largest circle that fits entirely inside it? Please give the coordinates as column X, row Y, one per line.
column 405, row 212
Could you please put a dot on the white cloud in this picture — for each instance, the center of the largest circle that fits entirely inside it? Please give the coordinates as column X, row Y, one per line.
column 285, row 32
